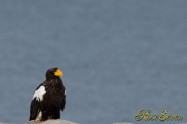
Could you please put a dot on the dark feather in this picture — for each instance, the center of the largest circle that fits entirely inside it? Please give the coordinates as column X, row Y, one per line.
column 34, row 109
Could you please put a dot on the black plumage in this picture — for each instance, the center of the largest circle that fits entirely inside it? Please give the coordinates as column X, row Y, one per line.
column 49, row 97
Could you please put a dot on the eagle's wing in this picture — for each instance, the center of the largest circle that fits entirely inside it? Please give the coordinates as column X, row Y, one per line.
column 35, row 107
column 63, row 104
column 63, row 98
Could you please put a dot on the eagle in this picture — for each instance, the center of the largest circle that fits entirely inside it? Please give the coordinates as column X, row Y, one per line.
column 49, row 97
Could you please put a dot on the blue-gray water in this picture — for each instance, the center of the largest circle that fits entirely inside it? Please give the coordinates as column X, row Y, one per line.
column 117, row 56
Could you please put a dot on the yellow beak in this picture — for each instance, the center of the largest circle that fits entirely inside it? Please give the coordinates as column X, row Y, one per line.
column 58, row 73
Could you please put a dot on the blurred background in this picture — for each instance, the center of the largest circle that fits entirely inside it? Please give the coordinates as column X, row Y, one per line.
column 117, row 56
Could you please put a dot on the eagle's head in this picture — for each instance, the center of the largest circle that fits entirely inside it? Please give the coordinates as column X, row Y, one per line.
column 53, row 73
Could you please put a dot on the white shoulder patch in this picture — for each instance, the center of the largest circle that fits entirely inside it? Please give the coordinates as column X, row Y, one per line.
column 65, row 92
column 38, row 94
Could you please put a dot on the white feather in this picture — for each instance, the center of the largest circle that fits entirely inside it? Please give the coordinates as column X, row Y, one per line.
column 39, row 116
column 39, row 93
